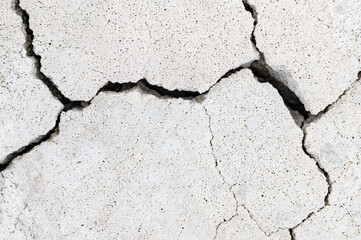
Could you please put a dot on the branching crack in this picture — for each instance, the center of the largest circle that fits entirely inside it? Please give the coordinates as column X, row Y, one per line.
column 254, row 220
column 143, row 84
column 221, row 175
column 230, row 188
column 321, row 169
column 68, row 104
column 328, row 180
column 263, row 72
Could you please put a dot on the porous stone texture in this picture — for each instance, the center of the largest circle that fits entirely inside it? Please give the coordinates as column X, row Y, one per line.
column 258, row 148
column 312, row 46
column 27, row 108
column 185, row 45
column 335, row 142
column 129, row 166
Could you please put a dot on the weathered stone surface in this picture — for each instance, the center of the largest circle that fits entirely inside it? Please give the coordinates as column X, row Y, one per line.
column 184, row 45
column 335, row 142
column 315, row 46
column 27, row 108
column 243, row 227
column 258, row 148
column 129, row 166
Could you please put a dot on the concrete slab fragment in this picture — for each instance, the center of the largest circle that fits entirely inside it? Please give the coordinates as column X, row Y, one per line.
column 184, row 45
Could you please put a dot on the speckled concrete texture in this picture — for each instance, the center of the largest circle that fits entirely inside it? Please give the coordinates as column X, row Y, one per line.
column 335, row 141
column 184, row 45
column 130, row 165
column 258, row 147
column 223, row 120
column 313, row 46
column 27, row 108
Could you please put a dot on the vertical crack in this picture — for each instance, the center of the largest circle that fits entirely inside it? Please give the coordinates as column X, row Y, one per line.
column 221, row 175
column 321, row 169
column 292, row 234
column 264, row 73
column 30, row 146
column 68, row 104
column 29, row 47
column 230, row 187
column 261, row 70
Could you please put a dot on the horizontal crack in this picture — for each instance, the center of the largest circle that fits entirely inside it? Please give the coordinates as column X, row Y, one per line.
column 259, row 68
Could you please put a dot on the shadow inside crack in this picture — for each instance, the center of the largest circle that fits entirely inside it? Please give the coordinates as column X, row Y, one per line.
column 261, row 72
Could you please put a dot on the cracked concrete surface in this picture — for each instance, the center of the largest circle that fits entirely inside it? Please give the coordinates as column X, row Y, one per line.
column 180, row 120
column 128, row 154
column 87, row 44
column 334, row 141
column 27, row 108
column 259, row 151
column 312, row 46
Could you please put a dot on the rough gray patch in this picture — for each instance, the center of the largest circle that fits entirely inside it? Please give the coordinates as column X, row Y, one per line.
column 243, row 227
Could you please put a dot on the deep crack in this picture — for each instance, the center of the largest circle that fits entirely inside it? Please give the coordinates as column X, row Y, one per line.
column 260, row 69
column 292, row 234
column 29, row 47
column 263, row 72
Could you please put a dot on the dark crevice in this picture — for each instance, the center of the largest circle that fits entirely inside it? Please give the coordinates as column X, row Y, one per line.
column 292, row 234
column 142, row 84
column 249, row 8
column 146, row 87
column 68, row 104
column 42, row 138
column 261, row 70
column 264, row 73
column 29, row 38
column 174, row 94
